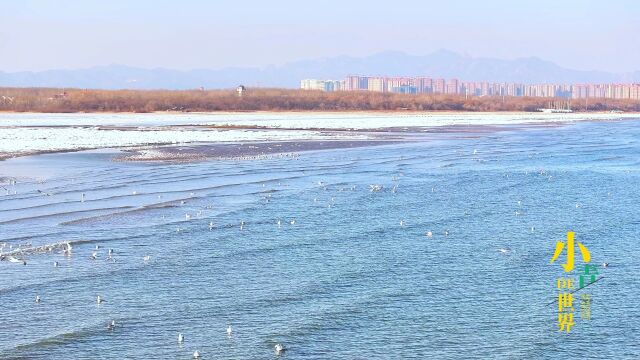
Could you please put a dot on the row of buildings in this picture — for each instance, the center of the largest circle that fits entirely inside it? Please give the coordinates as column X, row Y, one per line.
column 426, row 85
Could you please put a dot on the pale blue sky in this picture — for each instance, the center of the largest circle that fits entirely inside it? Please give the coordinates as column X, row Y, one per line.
column 188, row 34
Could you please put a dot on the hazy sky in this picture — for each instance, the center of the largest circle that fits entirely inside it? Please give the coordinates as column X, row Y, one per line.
column 187, row 34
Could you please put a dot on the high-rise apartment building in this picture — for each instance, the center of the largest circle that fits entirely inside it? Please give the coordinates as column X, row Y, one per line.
column 439, row 86
column 427, row 85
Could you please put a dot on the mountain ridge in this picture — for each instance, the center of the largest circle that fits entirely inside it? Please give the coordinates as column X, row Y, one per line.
column 439, row 64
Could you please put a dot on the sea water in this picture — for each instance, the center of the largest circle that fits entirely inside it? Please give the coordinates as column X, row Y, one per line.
column 300, row 251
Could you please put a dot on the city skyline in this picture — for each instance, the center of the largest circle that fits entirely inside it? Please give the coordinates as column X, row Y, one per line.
column 454, row 86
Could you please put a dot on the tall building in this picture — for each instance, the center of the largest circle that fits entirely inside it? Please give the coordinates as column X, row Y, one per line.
column 424, row 85
column 352, row 83
column 439, row 86
column 312, row 84
column 324, row 85
column 453, row 86
column 377, row 84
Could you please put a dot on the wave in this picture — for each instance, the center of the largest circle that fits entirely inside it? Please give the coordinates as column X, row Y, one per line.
column 58, row 339
column 44, row 216
column 102, row 217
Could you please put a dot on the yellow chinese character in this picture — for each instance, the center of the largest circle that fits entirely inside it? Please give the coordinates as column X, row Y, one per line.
column 586, row 257
column 565, row 301
column 565, row 283
column 565, row 321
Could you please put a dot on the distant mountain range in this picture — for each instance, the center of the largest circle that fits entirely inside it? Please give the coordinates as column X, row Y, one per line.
column 441, row 63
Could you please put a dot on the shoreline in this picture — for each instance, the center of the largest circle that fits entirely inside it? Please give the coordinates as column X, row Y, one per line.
column 216, row 132
column 240, row 151
column 227, row 150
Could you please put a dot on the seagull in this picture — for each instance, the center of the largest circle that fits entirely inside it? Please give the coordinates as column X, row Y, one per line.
column 180, row 338
column 429, row 234
column 504, row 250
column 241, row 224
column 67, row 249
column 375, row 187
column 38, row 299
column 229, row 330
column 446, row 232
column 94, row 255
column 578, row 205
column 279, row 348
column 99, row 300
column 293, row 222
column 401, row 222
column 605, row 264
column 146, row 258
column 279, row 223
column 110, row 252
column 211, row 225
column 55, row 264
column 112, row 325
column 82, row 197
column 187, row 217
column 196, row 355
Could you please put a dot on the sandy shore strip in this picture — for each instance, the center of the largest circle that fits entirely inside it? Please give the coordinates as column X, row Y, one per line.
column 291, row 149
column 241, row 151
column 201, row 143
column 31, row 134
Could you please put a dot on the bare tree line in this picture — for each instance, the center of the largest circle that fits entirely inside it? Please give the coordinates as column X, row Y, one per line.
column 263, row 99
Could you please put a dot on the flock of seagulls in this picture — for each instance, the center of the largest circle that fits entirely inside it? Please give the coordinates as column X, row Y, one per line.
column 19, row 253
column 279, row 348
column 67, row 247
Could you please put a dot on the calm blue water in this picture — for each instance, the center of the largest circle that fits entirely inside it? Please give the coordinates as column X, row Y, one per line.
column 346, row 281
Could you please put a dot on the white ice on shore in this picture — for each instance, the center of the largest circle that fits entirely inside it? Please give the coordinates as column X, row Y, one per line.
column 299, row 120
column 363, row 121
column 22, row 133
column 25, row 140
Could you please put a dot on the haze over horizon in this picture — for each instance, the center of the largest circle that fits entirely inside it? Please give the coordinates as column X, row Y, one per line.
column 196, row 34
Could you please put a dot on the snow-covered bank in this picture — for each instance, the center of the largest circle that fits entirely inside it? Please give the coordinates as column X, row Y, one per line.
column 329, row 120
column 26, row 133
column 29, row 140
